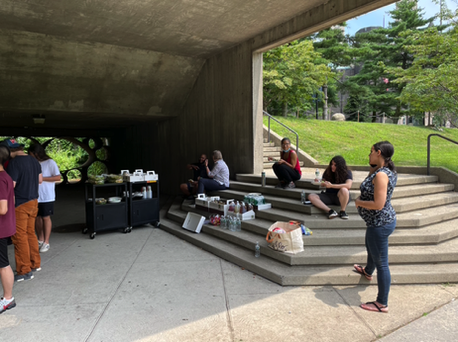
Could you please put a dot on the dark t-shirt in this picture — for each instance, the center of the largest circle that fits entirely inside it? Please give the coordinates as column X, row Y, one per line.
column 334, row 191
column 7, row 221
column 24, row 170
column 202, row 172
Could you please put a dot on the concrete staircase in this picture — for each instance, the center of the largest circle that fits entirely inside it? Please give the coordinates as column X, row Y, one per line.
column 423, row 248
column 270, row 149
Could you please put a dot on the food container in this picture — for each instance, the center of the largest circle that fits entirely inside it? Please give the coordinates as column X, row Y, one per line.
column 112, row 178
column 100, row 201
column 96, row 179
column 114, row 199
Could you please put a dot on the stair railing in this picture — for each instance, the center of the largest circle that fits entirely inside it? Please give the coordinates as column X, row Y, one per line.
column 268, row 131
column 429, row 148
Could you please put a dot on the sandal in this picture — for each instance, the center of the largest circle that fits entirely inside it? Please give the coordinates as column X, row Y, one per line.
column 360, row 269
column 373, row 306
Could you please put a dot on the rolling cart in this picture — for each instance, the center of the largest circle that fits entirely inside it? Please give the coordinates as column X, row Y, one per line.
column 143, row 210
column 109, row 216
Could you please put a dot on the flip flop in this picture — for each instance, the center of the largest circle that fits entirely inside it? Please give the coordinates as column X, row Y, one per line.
column 360, row 269
column 374, row 307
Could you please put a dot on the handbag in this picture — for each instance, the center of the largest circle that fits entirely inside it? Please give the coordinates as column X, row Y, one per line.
column 287, row 239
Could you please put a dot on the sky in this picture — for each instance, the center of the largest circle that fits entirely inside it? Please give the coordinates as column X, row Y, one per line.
column 375, row 18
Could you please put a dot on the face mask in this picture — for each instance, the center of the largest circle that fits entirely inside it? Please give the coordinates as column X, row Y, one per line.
column 285, row 151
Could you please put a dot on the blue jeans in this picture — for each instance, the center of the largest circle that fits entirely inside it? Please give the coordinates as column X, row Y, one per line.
column 377, row 257
column 209, row 185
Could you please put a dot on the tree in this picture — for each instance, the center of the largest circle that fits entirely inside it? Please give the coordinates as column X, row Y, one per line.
column 432, row 81
column 382, row 48
column 291, row 78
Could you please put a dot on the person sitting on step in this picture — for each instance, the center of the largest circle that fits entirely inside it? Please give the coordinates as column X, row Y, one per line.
column 337, row 179
column 287, row 169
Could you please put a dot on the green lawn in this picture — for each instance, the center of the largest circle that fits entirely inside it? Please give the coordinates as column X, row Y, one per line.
column 325, row 139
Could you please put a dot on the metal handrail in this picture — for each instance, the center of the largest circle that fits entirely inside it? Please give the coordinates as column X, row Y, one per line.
column 268, row 131
column 429, row 148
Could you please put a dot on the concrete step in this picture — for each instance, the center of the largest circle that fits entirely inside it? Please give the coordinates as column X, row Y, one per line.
column 431, row 234
column 273, row 148
column 304, row 182
column 307, row 275
column 399, row 192
column 399, row 204
column 333, row 255
column 268, row 144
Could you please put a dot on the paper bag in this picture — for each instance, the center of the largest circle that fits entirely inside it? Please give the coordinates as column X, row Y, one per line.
column 289, row 241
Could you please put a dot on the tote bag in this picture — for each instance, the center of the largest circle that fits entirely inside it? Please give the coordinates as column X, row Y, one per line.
column 288, row 242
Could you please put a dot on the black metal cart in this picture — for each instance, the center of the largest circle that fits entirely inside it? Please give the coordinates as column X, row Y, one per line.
column 143, row 210
column 109, row 216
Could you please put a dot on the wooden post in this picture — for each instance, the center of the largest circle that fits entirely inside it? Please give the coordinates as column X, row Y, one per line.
column 358, row 115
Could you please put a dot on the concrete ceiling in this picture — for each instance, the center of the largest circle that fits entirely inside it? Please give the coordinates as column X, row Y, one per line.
column 104, row 63
column 190, row 28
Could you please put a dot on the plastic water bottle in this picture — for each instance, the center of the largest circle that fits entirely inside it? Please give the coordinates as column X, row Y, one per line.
column 257, row 250
column 149, row 192
column 303, row 198
column 238, row 225
column 145, row 195
column 317, row 175
column 263, row 179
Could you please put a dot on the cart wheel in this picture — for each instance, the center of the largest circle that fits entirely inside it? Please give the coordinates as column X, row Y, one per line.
column 126, row 230
column 84, row 231
column 92, row 236
column 130, row 229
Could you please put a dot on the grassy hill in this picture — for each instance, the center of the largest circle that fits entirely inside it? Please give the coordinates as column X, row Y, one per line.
column 325, row 139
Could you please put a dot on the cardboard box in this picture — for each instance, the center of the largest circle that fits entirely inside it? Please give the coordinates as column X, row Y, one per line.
column 220, row 208
column 262, row 206
column 151, row 176
column 249, row 215
column 137, row 176
column 193, row 222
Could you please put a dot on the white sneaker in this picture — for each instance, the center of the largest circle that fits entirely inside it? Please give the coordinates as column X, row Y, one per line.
column 40, row 243
column 44, row 248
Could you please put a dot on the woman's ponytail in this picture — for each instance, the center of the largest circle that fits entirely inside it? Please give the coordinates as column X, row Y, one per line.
column 387, row 151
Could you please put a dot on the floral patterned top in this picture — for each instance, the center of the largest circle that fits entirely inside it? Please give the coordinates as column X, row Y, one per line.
column 376, row 218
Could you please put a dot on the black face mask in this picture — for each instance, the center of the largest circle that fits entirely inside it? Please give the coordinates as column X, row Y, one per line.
column 373, row 165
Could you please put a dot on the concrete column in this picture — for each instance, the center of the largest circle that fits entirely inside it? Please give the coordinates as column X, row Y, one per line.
column 257, row 113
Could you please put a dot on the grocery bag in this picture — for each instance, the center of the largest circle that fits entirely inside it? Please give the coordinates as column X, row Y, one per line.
column 285, row 237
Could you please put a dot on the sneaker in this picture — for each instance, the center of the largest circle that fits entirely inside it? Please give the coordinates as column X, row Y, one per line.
column 40, row 243
column 22, row 277
column 291, row 185
column 38, row 269
column 44, row 248
column 332, row 214
column 279, row 186
column 7, row 304
column 343, row 215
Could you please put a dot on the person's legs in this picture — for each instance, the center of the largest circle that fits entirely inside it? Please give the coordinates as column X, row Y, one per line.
column 278, row 170
column 34, row 252
column 39, row 229
column 377, row 242
column 344, row 198
column 317, row 202
column 209, row 185
column 21, row 242
column 47, row 228
column 184, row 187
column 6, row 273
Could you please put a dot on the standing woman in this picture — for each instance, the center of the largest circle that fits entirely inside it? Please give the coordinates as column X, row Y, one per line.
column 46, row 195
column 287, row 169
column 374, row 206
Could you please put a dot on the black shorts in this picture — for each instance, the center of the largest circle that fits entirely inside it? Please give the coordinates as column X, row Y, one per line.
column 4, row 253
column 330, row 198
column 45, row 209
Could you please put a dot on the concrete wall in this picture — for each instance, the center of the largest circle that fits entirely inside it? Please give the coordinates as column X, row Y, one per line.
column 223, row 110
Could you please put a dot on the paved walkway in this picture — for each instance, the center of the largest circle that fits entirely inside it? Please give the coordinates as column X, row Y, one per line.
column 151, row 286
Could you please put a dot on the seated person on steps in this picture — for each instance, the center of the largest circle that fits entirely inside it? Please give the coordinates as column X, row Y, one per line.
column 337, row 179
column 189, row 189
column 218, row 177
column 287, row 169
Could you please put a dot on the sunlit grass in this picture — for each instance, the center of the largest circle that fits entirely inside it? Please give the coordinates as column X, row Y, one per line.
column 325, row 139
